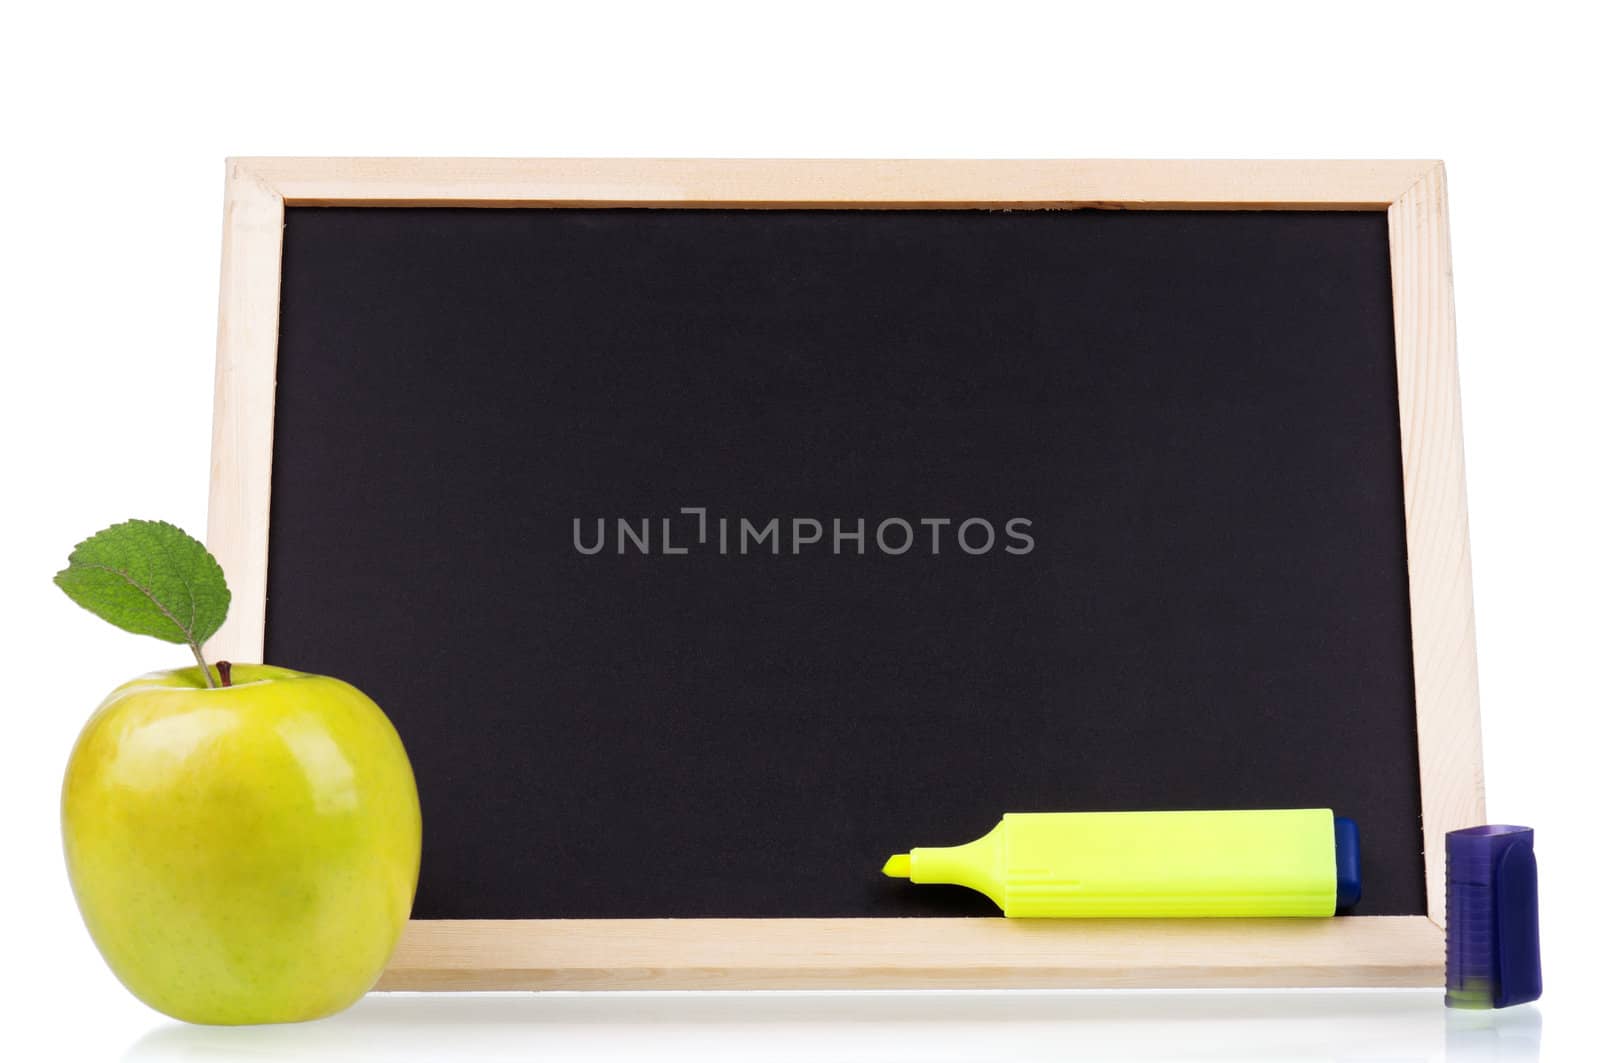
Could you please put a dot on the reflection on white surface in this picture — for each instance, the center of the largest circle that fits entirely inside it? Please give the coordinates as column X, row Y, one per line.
column 1388, row 1025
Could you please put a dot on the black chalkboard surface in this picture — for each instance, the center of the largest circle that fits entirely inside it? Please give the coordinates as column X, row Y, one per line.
column 1179, row 429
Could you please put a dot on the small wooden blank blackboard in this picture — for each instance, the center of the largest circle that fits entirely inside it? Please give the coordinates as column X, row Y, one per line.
column 711, row 530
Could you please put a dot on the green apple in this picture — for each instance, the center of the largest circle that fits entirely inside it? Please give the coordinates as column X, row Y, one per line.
column 244, row 853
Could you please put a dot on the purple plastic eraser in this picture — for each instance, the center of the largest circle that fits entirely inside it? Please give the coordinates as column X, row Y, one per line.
column 1491, row 901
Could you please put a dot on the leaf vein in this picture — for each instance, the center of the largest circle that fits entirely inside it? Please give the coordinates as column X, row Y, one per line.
column 188, row 632
column 194, row 608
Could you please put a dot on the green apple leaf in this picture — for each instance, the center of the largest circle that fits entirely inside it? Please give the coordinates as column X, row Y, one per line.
column 150, row 578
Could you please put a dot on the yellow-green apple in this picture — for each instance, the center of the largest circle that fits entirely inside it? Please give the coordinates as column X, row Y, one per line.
column 242, row 853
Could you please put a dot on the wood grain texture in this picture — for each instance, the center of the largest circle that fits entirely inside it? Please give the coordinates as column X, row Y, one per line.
column 241, row 427
column 1449, row 739
column 885, row 953
column 1131, row 183
column 915, row 953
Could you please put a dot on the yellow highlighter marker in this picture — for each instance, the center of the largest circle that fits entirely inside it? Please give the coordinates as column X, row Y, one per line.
column 1116, row 865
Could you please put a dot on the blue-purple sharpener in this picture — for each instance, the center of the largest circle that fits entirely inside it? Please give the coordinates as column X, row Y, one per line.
column 1491, row 900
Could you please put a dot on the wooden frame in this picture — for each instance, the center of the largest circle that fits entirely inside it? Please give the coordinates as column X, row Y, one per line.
column 884, row 953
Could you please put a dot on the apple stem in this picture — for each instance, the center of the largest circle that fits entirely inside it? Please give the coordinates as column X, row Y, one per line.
column 225, row 670
column 194, row 647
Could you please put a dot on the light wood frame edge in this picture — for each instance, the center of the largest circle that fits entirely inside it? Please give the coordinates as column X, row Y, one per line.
column 1439, row 561
column 885, row 953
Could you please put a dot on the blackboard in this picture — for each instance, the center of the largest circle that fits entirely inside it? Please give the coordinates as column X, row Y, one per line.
column 1193, row 412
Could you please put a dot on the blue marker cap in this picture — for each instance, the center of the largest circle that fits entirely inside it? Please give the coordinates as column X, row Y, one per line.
column 1491, row 943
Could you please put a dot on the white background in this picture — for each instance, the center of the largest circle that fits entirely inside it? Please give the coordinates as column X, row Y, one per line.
column 116, row 121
